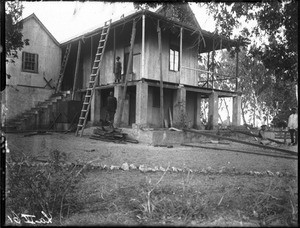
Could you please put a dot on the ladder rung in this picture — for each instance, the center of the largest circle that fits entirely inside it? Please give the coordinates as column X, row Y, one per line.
column 79, row 125
column 97, row 61
column 85, row 103
column 93, row 75
column 99, row 54
column 87, row 96
column 83, row 110
column 91, row 82
column 101, row 41
column 95, row 68
column 82, row 118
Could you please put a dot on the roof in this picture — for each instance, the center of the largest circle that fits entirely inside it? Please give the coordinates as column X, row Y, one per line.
column 42, row 25
column 194, row 28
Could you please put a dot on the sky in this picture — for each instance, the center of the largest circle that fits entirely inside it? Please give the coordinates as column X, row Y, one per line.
column 66, row 19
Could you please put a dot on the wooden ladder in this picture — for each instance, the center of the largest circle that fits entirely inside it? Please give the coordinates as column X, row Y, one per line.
column 63, row 67
column 93, row 79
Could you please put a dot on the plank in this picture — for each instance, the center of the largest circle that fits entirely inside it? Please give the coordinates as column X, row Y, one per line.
column 241, row 141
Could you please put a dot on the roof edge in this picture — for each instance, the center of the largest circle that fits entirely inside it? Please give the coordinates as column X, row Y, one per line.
column 42, row 25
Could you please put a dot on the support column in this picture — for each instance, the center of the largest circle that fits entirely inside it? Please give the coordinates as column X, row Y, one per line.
column 76, row 68
column 179, row 109
column 95, row 107
column 198, row 111
column 143, row 48
column 141, row 103
column 236, row 110
column 213, row 114
column 118, row 91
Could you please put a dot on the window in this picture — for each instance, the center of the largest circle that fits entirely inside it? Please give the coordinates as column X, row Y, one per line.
column 174, row 59
column 29, row 62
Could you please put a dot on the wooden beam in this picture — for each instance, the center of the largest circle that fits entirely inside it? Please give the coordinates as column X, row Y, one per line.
column 76, row 68
column 161, row 76
column 114, row 63
column 237, row 72
column 213, row 63
column 143, row 47
column 91, row 52
column 180, row 54
column 207, row 69
column 121, row 105
column 240, row 151
column 240, row 141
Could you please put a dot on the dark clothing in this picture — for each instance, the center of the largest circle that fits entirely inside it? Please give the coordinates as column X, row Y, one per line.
column 118, row 70
column 111, row 104
column 294, row 136
column 111, row 109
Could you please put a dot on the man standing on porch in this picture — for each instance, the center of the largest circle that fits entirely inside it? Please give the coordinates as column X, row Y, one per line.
column 118, row 70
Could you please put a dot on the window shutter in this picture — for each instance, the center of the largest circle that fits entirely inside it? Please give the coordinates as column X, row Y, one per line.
column 36, row 63
column 23, row 60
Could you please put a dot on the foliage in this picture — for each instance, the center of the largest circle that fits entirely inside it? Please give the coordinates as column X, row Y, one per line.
column 50, row 188
column 278, row 54
column 13, row 29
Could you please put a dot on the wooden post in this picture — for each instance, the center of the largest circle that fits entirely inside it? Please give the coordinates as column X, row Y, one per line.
column 213, row 64
column 237, row 71
column 161, row 76
column 120, row 112
column 180, row 55
column 143, row 48
column 76, row 68
column 114, row 64
column 207, row 69
column 241, row 141
column 91, row 52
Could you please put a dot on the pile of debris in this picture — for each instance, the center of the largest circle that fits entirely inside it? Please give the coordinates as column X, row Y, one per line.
column 111, row 135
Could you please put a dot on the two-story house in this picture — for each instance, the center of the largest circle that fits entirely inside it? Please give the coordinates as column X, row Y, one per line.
column 181, row 43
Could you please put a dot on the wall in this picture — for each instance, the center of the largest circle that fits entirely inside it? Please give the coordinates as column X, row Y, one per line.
column 122, row 44
column 189, row 55
column 154, row 112
column 25, row 89
column 19, row 99
column 49, row 58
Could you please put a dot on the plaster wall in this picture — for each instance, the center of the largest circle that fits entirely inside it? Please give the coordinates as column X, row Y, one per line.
column 18, row 99
column 49, row 58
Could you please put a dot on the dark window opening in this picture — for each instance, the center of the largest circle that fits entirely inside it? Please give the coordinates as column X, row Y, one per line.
column 156, row 97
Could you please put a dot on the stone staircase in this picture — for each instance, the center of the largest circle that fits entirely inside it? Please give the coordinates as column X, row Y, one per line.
column 39, row 117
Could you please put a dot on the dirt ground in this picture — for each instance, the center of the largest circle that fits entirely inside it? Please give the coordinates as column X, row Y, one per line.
column 83, row 149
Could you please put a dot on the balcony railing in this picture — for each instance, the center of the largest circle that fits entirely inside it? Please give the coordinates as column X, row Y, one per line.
column 207, row 79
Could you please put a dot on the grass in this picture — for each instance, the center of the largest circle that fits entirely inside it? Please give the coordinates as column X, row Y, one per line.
column 133, row 198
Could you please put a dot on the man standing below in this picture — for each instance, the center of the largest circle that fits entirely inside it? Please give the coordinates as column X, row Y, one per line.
column 293, row 127
column 111, row 109
column 118, row 70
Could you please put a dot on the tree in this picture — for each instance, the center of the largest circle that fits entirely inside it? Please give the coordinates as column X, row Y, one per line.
column 13, row 29
column 278, row 22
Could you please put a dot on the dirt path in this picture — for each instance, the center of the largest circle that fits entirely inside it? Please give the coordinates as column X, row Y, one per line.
column 84, row 149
